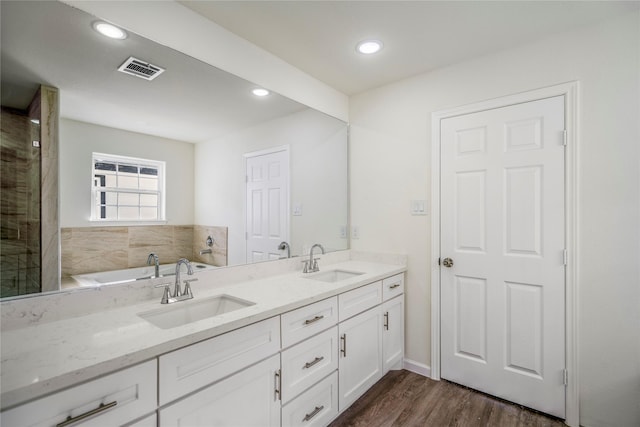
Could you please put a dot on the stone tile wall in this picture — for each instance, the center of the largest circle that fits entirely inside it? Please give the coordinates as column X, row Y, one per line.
column 91, row 249
column 19, row 205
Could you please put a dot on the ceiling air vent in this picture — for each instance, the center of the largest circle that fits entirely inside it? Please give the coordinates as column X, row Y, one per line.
column 141, row 69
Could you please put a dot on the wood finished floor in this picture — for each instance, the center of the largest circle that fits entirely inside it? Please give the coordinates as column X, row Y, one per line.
column 402, row 398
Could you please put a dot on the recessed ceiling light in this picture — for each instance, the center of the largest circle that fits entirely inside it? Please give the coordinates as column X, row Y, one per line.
column 260, row 92
column 109, row 30
column 367, row 47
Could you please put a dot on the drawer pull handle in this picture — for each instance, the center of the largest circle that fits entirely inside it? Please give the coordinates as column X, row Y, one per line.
column 310, row 364
column 343, row 350
column 315, row 319
column 72, row 420
column 277, row 393
column 395, row 285
column 386, row 320
column 313, row 413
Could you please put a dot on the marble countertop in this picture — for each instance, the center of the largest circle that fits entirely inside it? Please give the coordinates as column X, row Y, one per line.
column 44, row 358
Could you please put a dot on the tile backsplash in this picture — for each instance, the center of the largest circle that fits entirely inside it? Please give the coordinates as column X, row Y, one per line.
column 92, row 249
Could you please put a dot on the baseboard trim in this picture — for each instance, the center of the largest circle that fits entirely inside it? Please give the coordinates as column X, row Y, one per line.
column 418, row 368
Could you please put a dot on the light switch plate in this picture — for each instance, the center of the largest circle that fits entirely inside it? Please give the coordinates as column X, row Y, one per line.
column 297, row 209
column 419, row 207
column 355, row 232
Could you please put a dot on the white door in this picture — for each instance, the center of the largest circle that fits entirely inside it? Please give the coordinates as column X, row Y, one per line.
column 267, row 192
column 502, row 227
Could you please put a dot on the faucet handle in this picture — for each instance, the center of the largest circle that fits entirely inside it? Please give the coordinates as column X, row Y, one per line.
column 166, row 296
column 315, row 265
column 305, row 269
column 187, row 288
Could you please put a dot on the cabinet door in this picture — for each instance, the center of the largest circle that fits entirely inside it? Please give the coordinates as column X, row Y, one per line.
column 393, row 334
column 248, row 398
column 196, row 366
column 360, row 362
column 112, row 400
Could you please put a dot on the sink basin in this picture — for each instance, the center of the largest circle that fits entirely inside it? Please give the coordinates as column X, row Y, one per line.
column 182, row 313
column 333, row 276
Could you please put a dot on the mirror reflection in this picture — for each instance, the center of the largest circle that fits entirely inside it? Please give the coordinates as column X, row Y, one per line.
column 189, row 164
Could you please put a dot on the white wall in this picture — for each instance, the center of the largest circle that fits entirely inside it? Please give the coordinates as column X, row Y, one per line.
column 78, row 140
column 318, row 179
column 171, row 24
column 391, row 150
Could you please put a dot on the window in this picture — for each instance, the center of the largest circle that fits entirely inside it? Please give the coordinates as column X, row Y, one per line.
column 127, row 189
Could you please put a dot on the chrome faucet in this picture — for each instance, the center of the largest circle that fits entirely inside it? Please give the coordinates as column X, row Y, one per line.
column 178, row 294
column 153, row 258
column 283, row 246
column 311, row 265
column 176, row 291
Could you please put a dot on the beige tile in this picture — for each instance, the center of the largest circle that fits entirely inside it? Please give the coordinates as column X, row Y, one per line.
column 91, row 261
column 183, row 235
column 152, row 235
column 99, row 239
column 219, row 249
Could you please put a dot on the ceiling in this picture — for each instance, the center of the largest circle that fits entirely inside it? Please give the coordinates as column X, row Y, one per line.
column 319, row 37
column 54, row 44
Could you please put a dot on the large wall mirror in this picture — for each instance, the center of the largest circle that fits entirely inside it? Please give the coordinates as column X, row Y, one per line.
column 188, row 164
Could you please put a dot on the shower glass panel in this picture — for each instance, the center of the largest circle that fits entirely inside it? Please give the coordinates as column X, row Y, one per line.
column 20, row 170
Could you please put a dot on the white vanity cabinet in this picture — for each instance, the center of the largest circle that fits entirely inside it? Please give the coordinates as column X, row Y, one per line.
column 196, row 366
column 248, row 398
column 113, row 400
column 360, row 362
column 393, row 326
column 317, row 406
column 371, row 342
column 360, row 333
column 298, row 368
column 393, row 334
column 150, row 421
column 308, row 362
column 306, row 321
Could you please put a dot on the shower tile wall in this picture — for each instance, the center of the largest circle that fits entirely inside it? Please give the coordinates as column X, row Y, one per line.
column 91, row 249
column 218, row 255
column 20, row 206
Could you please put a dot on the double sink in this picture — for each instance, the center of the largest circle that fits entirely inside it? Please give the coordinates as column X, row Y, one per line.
column 193, row 311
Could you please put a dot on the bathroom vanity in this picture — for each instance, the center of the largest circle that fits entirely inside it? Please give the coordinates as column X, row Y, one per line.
column 301, row 350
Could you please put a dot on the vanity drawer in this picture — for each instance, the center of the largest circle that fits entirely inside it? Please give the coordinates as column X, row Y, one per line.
column 308, row 362
column 304, row 322
column 190, row 368
column 118, row 398
column 318, row 406
column 150, row 421
column 392, row 286
column 359, row 300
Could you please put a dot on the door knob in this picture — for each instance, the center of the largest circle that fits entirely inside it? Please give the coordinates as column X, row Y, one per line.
column 447, row 262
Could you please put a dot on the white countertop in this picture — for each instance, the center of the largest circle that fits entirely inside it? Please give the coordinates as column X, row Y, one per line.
column 41, row 359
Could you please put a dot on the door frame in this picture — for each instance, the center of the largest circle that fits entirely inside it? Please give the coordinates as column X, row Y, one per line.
column 272, row 150
column 570, row 91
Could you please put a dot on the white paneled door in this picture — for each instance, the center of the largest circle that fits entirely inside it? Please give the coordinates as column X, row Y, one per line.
column 267, row 219
column 502, row 253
